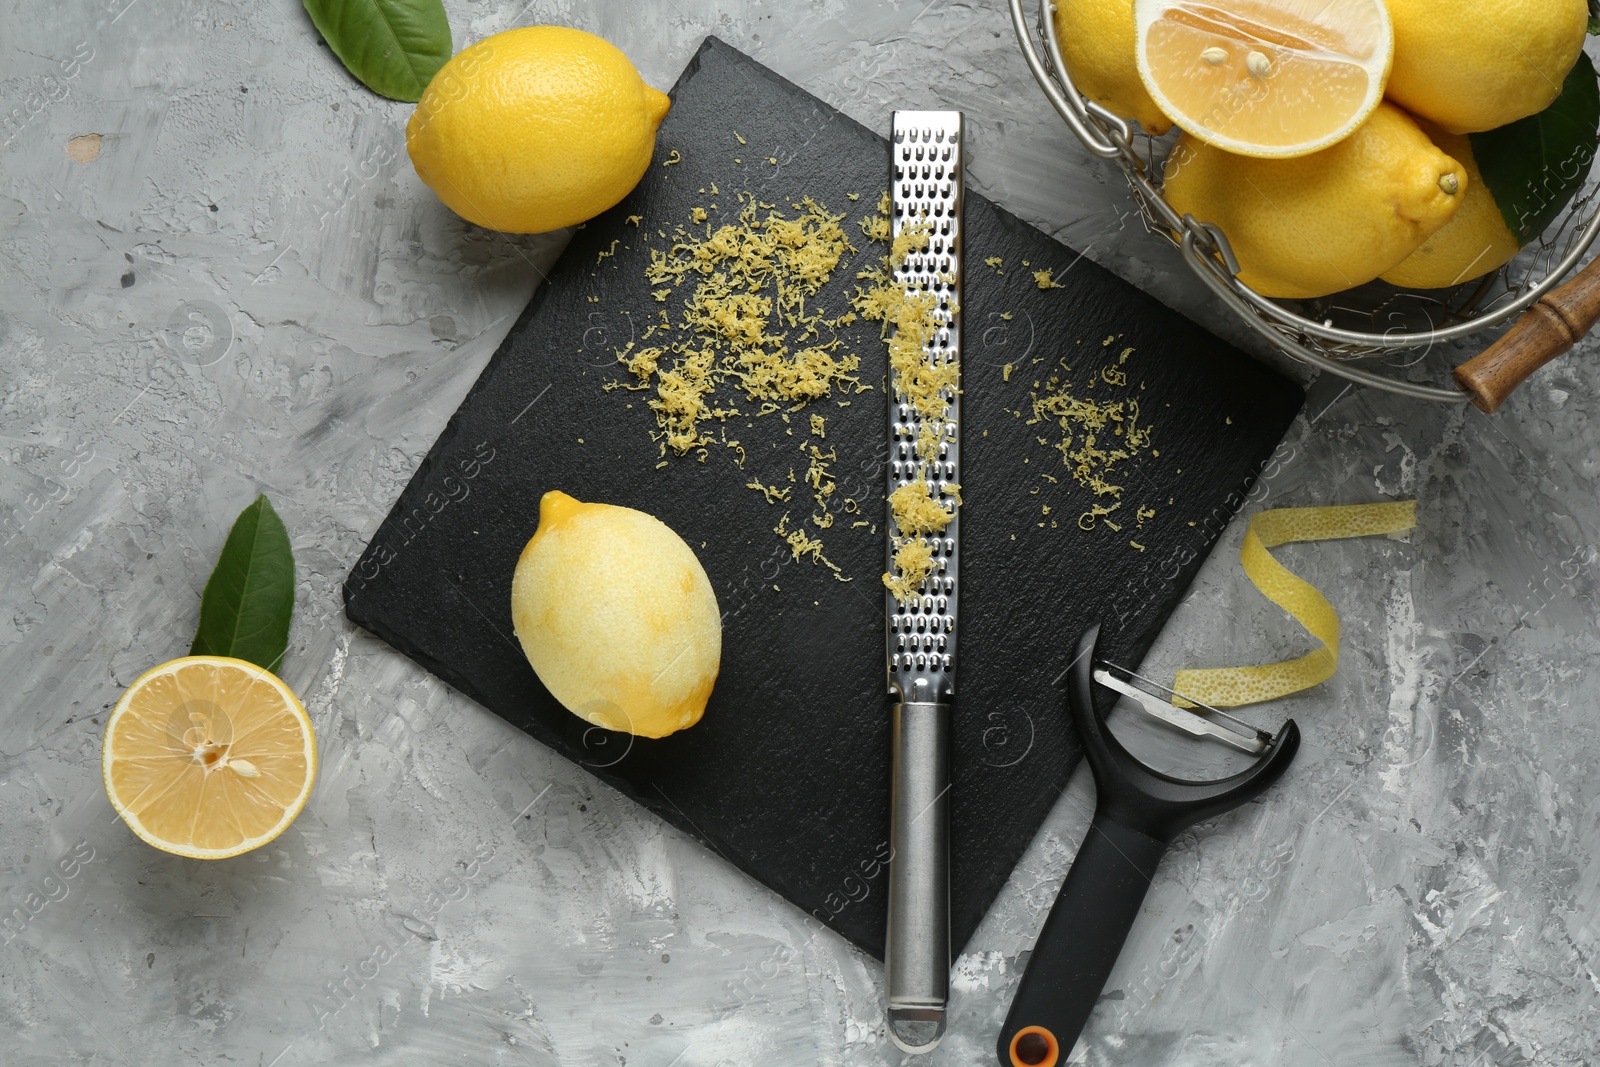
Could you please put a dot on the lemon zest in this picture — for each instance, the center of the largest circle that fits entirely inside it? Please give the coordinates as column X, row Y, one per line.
column 913, row 565
column 773, row 493
column 916, row 512
column 803, row 544
column 910, row 322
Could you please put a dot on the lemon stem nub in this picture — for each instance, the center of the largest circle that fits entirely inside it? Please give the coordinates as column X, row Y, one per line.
column 1450, row 184
column 555, row 506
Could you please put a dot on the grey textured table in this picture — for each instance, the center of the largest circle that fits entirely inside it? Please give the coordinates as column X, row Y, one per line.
column 1421, row 890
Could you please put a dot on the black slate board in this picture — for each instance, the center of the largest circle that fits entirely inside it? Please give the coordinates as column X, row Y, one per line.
column 787, row 775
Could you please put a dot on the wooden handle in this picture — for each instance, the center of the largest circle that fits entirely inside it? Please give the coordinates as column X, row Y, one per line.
column 1548, row 329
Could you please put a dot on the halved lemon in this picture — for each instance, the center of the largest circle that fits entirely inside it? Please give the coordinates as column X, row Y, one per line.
column 1265, row 78
column 208, row 757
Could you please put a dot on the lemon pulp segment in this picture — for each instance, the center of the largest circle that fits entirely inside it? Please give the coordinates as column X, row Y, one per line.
column 1270, row 78
column 208, row 756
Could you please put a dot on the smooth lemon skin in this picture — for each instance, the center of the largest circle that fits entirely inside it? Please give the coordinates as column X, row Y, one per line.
column 1326, row 222
column 535, row 129
column 1473, row 243
column 1478, row 66
column 617, row 617
column 1097, row 42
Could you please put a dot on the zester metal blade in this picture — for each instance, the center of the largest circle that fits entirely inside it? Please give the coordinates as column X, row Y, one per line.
column 925, row 190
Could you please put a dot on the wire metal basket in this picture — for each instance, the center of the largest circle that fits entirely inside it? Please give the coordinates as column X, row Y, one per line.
column 1376, row 320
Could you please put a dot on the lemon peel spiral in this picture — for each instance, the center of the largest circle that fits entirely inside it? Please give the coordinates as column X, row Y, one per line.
column 1227, row 687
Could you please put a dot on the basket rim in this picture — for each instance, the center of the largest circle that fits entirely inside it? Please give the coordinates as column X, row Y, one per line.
column 1204, row 245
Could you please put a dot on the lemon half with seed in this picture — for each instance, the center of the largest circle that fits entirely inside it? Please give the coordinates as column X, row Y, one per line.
column 617, row 617
column 1266, row 78
column 208, row 757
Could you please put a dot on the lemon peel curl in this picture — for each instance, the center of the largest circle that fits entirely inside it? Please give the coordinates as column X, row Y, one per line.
column 1227, row 687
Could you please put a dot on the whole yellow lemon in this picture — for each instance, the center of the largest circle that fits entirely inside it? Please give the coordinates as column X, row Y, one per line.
column 534, row 129
column 1474, row 242
column 1097, row 42
column 1478, row 66
column 1326, row 222
column 617, row 617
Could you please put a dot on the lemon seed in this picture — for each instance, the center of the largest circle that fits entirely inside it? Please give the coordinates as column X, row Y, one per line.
column 245, row 768
column 1214, row 55
column 1258, row 64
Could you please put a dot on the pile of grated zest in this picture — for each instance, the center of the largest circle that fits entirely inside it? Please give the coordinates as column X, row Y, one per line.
column 744, row 321
column 1096, row 437
column 749, row 339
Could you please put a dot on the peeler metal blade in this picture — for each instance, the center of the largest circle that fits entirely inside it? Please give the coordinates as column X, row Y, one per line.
column 920, row 634
column 1201, row 720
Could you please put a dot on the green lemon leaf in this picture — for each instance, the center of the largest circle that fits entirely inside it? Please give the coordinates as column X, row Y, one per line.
column 1535, row 166
column 249, row 599
column 394, row 46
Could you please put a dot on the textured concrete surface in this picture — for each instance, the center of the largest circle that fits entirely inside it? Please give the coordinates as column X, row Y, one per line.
column 219, row 275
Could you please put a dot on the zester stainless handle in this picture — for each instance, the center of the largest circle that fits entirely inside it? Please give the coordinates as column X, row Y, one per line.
column 917, row 953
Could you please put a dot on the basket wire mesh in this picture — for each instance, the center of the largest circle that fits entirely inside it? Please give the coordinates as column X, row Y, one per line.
column 1375, row 320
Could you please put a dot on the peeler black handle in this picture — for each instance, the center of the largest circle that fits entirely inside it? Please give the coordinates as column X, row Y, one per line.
column 1138, row 811
column 1079, row 944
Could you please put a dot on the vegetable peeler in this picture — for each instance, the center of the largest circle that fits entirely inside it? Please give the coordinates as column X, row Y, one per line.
column 1138, row 813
